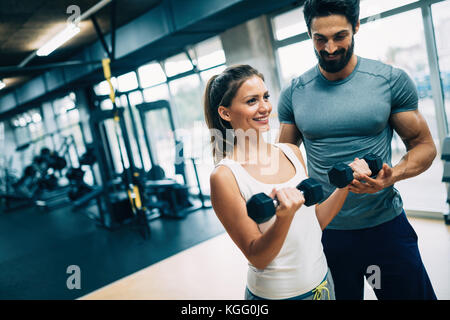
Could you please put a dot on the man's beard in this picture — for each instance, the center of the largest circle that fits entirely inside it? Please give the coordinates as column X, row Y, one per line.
column 333, row 66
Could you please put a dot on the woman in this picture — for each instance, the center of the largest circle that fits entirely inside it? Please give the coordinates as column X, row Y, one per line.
column 285, row 254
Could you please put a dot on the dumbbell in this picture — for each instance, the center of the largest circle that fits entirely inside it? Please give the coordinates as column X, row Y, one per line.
column 261, row 207
column 342, row 174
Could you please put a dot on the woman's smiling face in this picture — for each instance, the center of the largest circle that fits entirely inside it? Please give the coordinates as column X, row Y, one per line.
column 250, row 108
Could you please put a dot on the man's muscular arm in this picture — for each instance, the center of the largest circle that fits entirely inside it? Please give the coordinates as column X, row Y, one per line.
column 421, row 151
column 289, row 133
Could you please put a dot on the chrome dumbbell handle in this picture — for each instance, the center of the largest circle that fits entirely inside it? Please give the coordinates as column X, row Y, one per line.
column 276, row 203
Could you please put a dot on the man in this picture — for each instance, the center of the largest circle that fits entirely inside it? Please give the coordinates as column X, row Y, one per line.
column 342, row 109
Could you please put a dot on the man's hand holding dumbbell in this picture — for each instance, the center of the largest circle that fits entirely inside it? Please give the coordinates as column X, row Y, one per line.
column 367, row 175
column 284, row 203
column 367, row 184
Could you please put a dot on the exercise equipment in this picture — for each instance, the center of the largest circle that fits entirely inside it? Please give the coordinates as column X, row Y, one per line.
column 78, row 187
column 445, row 156
column 88, row 158
column 114, row 187
column 40, row 174
column 120, row 198
column 39, row 185
column 261, row 207
column 341, row 174
column 176, row 194
column 145, row 109
column 42, row 184
column 10, row 198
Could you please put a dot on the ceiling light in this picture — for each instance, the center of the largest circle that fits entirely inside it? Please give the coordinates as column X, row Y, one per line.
column 2, row 85
column 58, row 40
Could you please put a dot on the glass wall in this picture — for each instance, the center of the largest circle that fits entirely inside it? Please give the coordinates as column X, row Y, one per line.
column 396, row 39
column 56, row 126
column 69, row 139
column 294, row 59
column 441, row 22
column 373, row 7
column 28, row 129
column 384, row 40
column 180, row 79
column 289, row 24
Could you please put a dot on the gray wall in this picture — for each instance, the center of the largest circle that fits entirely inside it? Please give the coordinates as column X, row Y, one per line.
column 251, row 43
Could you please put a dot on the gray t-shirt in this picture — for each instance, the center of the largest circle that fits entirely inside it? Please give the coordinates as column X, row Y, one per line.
column 341, row 120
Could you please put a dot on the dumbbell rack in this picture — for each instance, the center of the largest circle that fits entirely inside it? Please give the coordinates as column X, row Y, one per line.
column 445, row 156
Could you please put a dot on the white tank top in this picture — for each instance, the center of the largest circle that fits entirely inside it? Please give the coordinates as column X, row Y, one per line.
column 300, row 265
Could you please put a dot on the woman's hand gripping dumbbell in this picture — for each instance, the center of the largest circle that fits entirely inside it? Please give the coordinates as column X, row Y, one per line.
column 341, row 174
column 261, row 207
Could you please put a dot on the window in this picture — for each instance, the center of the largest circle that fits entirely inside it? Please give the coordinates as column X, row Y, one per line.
column 177, row 64
column 441, row 21
column 36, row 130
column 209, row 53
column 2, row 132
column 65, row 111
column 68, row 118
column 115, row 139
column 371, row 7
column 121, row 101
column 187, row 99
column 22, row 135
column 135, row 98
column 102, row 89
column 62, row 105
column 160, row 92
column 3, row 158
column 28, row 129
column 157, row 124
column 28, row 126
column 206, row 75
column 159, row 80
column 67, row 138
column 386, row 40
column 106, row 104
column 127, row 82
column 289, row 24
column 72, row 144
column 295, row 59
column 151, row 74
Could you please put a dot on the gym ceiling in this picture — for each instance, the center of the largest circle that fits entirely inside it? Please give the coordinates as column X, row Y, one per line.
column 143, row 30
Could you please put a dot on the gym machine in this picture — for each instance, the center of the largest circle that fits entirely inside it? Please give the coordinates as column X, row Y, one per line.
column 120, row 197
column 113, row 204
column 170, row 190
column 445, row 156
column 39, row 186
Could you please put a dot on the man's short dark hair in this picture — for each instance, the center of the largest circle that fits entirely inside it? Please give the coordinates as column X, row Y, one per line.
column 323, row 8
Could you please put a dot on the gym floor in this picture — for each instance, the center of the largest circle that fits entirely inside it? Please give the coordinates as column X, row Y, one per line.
column 37, row 247
column 216, row 269
column 191, row 258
